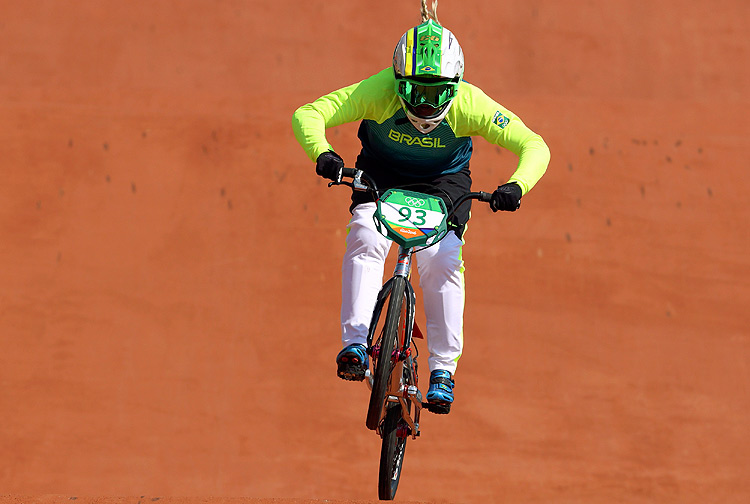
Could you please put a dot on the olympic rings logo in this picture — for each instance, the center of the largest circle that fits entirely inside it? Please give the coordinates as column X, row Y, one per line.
column 414, row 202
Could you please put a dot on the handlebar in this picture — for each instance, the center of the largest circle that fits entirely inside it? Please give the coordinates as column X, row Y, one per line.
column 350, row 172
column 363, row 182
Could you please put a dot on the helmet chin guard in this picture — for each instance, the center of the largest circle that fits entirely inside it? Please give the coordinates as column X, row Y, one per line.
column 425, row 124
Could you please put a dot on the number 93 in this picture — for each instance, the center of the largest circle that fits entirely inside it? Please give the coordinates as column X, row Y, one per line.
column 418, row 219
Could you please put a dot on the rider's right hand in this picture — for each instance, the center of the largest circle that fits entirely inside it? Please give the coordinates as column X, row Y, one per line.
column 330, row 166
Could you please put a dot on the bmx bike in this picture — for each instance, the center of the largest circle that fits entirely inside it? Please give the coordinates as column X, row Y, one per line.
column 413, row 220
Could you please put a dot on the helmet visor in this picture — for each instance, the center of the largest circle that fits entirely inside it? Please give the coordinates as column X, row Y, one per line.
column 434, row 94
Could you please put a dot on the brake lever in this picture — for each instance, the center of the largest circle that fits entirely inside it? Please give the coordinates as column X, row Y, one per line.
column 357, row 184
column 331, row 184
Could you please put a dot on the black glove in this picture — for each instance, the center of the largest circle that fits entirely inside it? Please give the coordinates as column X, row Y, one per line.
column 506, row 197
column 330, row 166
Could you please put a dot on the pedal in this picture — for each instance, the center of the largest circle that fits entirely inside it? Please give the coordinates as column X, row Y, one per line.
column 437, row 408
column 351, row 372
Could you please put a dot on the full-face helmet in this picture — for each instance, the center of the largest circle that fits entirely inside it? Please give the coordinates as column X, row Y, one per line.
column 428, row 64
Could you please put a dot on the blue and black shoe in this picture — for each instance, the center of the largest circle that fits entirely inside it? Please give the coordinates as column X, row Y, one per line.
column 440, row 393
column 352, row 362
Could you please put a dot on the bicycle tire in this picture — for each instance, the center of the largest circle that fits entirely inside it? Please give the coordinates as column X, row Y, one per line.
column 391, row 453
column 384, row 366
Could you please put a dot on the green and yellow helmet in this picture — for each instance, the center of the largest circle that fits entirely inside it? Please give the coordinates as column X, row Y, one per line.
column 428, row 64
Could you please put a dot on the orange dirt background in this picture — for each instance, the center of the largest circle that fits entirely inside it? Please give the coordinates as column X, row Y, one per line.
column 170, row 271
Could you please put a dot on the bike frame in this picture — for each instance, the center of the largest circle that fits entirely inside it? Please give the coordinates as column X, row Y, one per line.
column 405, row 390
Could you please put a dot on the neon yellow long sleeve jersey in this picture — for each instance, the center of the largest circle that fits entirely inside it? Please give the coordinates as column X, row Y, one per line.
column 388, row 136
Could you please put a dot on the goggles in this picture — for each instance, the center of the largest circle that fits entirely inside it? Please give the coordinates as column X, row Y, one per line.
column 419, row 93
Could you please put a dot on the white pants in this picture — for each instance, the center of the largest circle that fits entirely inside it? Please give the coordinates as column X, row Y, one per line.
column 441, row 274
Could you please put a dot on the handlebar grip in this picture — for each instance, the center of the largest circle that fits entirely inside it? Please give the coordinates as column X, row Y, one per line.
column 349, row 172
column 486, row 197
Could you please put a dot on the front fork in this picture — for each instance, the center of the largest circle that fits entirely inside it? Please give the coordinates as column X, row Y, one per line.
column 405, row 390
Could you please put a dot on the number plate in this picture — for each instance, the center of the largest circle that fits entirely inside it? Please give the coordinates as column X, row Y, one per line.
column 411, row 219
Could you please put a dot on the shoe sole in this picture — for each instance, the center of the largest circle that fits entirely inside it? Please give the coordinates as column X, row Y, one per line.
column 436, row 404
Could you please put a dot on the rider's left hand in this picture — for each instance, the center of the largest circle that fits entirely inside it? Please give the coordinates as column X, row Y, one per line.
column 506, row 197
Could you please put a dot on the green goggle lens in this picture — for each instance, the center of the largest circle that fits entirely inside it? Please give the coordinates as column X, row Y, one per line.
column 436, row 95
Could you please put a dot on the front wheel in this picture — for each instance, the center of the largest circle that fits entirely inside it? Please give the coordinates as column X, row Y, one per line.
column 385, row 363
column 395, row 433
